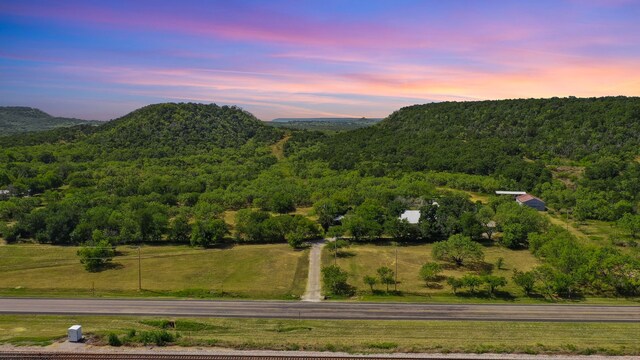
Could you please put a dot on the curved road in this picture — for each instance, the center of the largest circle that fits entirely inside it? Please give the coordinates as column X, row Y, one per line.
column 321, row 310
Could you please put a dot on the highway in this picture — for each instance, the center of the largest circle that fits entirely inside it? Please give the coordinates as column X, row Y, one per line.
column 321, row 310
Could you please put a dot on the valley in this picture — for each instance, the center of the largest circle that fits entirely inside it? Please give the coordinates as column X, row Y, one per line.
column 222, row 206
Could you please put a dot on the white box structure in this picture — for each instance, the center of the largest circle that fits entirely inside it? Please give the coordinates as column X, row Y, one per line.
column 75, row 333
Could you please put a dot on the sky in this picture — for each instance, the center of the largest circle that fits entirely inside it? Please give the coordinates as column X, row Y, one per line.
column 301, row 58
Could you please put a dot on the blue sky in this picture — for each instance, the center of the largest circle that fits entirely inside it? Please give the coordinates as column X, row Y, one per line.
column 102, row 59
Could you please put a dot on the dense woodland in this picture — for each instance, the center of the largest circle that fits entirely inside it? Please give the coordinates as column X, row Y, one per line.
column 169, row 173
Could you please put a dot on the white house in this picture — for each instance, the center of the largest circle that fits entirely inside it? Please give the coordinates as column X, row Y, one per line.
column 412, row 216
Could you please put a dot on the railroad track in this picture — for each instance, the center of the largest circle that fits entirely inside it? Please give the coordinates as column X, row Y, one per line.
column 144, row 356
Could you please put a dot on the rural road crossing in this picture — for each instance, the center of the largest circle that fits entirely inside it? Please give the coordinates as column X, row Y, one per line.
column 321, row 310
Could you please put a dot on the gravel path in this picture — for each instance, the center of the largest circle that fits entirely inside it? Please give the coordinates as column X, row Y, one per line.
column 314, row 285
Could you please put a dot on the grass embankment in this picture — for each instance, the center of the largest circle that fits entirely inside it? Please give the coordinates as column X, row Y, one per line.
column 347, row 335
column 363, row 259
column 272, row 271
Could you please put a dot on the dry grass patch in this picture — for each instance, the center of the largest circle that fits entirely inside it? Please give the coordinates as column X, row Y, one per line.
column 360, row 260
column 257, row 271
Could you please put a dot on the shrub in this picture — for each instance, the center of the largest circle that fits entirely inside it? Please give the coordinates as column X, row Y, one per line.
column 114, row 340
column 160, row 338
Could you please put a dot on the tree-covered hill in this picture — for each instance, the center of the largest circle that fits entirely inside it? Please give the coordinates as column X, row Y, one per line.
column 162, row 129
column 513, row 138
column 201, row 174
column 19, row 119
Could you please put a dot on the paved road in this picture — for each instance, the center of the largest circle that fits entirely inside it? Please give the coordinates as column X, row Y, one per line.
column 321, row 310
column 314, row 288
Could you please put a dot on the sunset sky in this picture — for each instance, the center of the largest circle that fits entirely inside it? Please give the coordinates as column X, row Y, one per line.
column 102, row 59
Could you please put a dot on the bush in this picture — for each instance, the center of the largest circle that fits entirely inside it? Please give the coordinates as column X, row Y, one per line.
column 114, row 340
column 160, row 338
column 430, row 272
column 455, row 284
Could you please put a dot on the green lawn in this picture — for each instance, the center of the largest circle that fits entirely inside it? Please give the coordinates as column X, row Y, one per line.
column 361, row 260
column 254, row 271
column 347, row 335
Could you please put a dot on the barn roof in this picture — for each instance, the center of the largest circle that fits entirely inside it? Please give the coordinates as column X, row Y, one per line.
column 527, row 197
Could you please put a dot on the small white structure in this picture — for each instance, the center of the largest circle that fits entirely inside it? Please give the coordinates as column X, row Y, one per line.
column 75, row 333
column 514, row 193
column 412, row 216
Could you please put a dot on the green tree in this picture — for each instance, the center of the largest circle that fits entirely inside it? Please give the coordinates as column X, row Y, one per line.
column 386, row 276
column 361, row 228
column 517, row 223
column 208, row 232
column 336, row 245
column 96, row 254
column 430, row 272
column 371, row 281
column 525, row 279
column 334, row 280
column 180, row 230
column 401, row 230
column 630, row 223
column 335, row 231
column 471, row 226
column 249, row 225
column 455, row 284
column 326, row 210
column 485, row 217
column 471, row 281
column 458, row 249
column 152, row 221
column 493, row 282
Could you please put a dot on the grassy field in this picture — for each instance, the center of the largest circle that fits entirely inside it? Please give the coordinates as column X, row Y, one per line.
column 346, row 335
column 254, row 271
column 590, row 231
column 361, row 260
column 473, row 196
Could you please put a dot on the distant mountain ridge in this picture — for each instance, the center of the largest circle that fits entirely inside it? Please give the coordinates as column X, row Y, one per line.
column 324, row 124
column 21, row 119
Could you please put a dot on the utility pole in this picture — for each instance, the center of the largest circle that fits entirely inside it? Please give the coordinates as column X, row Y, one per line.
column 139, row 270
column 395, row 283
